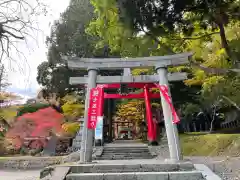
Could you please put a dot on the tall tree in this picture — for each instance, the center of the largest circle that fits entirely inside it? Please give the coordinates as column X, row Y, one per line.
column 165, row 17
column 211, row 54
column 55, row 78
column 110, row 30
column 68, row 38
column 68, row 35
column 146, row 28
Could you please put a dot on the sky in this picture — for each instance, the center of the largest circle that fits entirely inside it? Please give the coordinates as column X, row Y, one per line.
column 23, row 80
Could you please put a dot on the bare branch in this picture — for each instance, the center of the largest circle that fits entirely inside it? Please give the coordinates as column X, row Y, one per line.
column 208, row 70
column 231, row 102
column 10, row 20
column 7, row 47
column 18, row 21
column 6, row 2
column 2, row 48
column 15, row 36
column 216, row 71
column 197, row 37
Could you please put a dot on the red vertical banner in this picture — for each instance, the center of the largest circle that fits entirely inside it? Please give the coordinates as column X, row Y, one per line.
column 95, row 106
column 101, row 100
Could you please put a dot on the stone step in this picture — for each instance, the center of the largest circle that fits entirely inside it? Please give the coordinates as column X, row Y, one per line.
column 134, row 167
column 128, row 153
column 125, row 155
column 187, row 175
column 128, row 147
column 116, row 156
column 125, row 152
column 122, row 158
column 121, row 147
column 134, row 151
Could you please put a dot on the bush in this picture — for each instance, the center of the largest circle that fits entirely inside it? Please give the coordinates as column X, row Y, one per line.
column 30, row 108
column 189, row 109
column 7, row 147
column 71, row 127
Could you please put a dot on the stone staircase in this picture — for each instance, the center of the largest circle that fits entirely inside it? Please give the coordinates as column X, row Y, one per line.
column 135, row 170
column 125, row 153
column 132, row 161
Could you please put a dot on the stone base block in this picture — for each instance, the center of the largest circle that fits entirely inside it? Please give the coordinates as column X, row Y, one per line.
column 138, row 176
column 134, row 167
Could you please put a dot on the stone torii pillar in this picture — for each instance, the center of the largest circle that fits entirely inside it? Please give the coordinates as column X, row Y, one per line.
column 171, row 129
column 160, row 63
column 88, row 134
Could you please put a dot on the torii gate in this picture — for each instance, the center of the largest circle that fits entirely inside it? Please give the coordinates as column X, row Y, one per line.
column 160, row 63
column 146, row 95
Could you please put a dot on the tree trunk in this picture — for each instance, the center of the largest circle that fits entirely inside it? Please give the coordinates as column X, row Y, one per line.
column 194, row 127
column 225, row 45
column 206, row 126
column 188, row 128
column 185, row 127
column 213, row 119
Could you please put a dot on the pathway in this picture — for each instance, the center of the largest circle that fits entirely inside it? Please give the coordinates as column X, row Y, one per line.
column 228, row 168
column 19, row 174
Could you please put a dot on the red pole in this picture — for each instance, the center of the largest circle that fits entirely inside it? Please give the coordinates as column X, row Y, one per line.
column 154, row 129
column 149, row 115
column 101, row 101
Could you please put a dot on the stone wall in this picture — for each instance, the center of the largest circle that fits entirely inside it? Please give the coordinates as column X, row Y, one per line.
column 29, row 162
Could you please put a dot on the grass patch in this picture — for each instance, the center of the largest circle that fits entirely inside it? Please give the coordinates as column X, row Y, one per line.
column 196, row 144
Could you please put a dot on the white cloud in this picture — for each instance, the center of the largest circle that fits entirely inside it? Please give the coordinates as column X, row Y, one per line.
column 24, row 78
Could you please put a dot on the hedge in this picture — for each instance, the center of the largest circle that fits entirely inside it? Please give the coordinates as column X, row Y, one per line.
column 30, row 108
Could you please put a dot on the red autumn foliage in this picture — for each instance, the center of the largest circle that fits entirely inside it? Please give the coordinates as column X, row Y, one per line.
column 38, row 125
